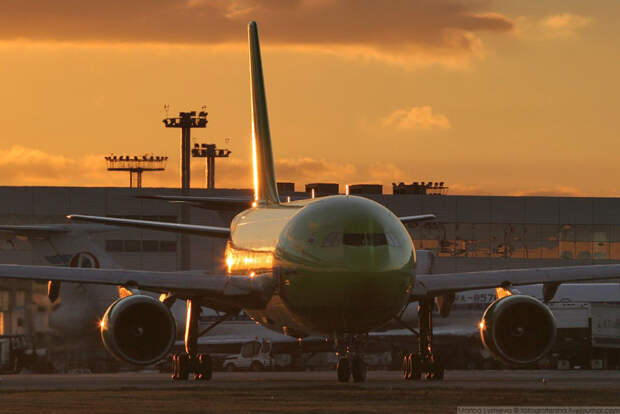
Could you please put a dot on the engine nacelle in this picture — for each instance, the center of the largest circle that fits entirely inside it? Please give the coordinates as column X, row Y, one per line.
column 138, row 329
column 518, row 329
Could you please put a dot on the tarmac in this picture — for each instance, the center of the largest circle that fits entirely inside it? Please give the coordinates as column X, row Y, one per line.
column 389, row 380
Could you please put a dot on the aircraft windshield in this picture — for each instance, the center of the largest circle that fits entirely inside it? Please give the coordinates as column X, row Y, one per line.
column 359, row 239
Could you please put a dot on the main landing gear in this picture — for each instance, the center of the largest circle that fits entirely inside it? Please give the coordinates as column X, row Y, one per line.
column 188, row 362
column 201, row 365
column 424, row 361
column 350, row 360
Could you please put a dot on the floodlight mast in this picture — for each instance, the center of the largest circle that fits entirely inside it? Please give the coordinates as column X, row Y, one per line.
column 186, row 121
column 210, row 152
column 136, row 165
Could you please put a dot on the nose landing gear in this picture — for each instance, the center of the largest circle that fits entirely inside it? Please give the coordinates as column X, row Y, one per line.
column 424, row 361
column 350, row 360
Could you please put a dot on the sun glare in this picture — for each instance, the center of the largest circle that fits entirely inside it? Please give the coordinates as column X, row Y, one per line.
column 254, row 163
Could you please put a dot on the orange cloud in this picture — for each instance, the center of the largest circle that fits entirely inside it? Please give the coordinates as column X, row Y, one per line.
column 309, row 170
column 416, row 117
column 553, row 26
column 565, row 24
column 401, row 30
column 26, row 166
column 561, row 191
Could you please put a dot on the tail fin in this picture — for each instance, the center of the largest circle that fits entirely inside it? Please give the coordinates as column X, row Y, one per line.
column 265, row 189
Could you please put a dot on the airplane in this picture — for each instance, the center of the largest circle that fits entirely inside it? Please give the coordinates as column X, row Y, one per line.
column 73, row 320
column 70, row 244
column 337, row 266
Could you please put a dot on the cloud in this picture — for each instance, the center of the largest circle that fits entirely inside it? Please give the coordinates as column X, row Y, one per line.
column 415, row 118
column 28, row 166
column 422, row 31
column 561, row 191
column 554, row 26
column 565, row 24
column 311, row 170
column 22, row 166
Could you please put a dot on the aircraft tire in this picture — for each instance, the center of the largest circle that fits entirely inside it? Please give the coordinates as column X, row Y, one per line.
column 183, row 366
column 343, row 369
column 359, row 369
column 416, row 367
column 406, row 366
column 205, row 368
column 175, row 366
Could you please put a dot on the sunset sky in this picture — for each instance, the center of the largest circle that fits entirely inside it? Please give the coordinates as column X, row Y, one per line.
column 492, row 97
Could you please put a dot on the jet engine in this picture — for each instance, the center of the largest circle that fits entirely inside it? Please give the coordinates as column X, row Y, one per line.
column 518, row 329
column 138, row 329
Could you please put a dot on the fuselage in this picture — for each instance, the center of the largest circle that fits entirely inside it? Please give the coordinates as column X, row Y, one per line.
column 340, row 264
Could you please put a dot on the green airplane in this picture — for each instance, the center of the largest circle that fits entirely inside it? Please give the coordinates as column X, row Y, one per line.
column 336, row 266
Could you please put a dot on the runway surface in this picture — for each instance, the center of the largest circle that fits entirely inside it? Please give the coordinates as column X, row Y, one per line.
column 533, row 380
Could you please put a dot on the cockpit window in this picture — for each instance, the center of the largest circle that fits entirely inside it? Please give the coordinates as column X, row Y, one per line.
column 359, row 239
column 332, row 240
column 354, row 239
column 377, row 239
column 364, row 239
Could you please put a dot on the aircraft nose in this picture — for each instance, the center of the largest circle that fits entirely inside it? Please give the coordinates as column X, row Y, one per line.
column 350, row 233
column 348, row 264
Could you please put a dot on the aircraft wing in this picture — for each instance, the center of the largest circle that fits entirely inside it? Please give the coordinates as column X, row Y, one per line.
column 208, row 231
column 413, row 219
column 40, row 230
column 46, row 230
column 209, row 203
column 181, row 284
column 439, row 284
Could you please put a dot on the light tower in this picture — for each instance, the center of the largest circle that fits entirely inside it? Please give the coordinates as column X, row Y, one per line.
column 186, row 121
column 210, row 152
column 136, row 165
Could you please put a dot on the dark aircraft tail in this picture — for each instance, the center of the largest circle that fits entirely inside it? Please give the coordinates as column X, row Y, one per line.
column 265, row 189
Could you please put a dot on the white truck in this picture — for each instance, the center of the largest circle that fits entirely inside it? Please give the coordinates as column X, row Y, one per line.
column 588, row 335
column 256, row 356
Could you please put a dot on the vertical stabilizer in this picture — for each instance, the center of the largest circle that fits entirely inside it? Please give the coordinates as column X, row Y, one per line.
column 265, row 189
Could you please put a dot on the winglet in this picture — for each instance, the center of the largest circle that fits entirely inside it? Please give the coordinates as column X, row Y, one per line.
column 265, row 189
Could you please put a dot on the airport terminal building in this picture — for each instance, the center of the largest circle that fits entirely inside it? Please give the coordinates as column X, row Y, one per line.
column 470, row 233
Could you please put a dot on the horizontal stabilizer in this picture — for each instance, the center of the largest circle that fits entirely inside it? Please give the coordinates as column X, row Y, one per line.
column 415, row 219
column 208, row 202
column 215, row 203
column 206, row 231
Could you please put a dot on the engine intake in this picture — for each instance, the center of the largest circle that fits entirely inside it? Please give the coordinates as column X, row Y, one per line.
column 138, row 329
column 518, row 329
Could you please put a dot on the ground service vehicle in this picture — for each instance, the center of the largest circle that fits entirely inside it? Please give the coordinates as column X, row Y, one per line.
column 256, row 356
